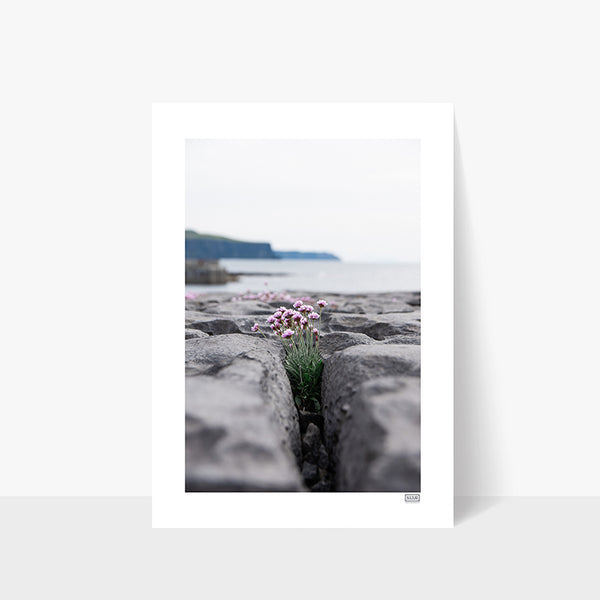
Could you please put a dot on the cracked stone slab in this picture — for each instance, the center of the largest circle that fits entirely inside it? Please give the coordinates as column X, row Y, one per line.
column 376, row 326
column 340, row 340
column 345, row 371
column 194, row 333
column 242, row 307
column 217, row 324
column 379, row 445
column 256, row 365
column 232, row 442
column 211, row 324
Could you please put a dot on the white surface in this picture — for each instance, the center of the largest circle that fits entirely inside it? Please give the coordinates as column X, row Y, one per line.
column 78, row 83
column 172, row 125
column 90, row 548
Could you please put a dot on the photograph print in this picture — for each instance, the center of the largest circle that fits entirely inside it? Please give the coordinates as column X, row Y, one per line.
column 303, row 316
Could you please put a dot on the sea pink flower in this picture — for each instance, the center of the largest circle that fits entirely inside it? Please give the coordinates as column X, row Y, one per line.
column 288, row 333
column 303, row 323
column 273, row 327
column 298, row 304
column 277, row 314
column 322, row 303
column 314, row 316
column 297, row 317
column 272, row 319
column 309, row 308
column 255, row 327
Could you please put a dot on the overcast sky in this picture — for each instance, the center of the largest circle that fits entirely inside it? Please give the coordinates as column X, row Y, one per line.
column 356, row 199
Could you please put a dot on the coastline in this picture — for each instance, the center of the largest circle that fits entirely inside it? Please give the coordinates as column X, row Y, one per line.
column 318, row 276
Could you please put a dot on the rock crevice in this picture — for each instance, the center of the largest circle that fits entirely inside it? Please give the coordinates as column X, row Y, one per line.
column 243, row 431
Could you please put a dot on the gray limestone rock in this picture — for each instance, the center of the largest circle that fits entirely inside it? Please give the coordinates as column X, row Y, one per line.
column 215, row 324
column 414, row 299
column 345, row 371
column 311, row 441
column 370, row 306
column 376, row 326
column 242, row 426
column 379, row 448
column 242, row 307
column 402, row 339
column 255, row 364
column 310, row 473
column 376, row 303
column 211, row 324
column 340, row 340
column 323, row 485
column 194, row 333
column 232, row 441
column 323, row 457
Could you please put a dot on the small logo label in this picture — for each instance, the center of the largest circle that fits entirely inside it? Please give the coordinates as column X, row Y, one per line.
column 412, row 497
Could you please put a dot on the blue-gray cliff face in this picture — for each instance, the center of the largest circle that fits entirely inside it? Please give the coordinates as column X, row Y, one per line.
column 207, row 247
column 306, row 255
column 212, row 249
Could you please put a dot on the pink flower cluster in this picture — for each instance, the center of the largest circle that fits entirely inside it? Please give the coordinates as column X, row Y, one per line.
column 192, row 295
column 268, row 296
column 295, row 321
column 264, row 297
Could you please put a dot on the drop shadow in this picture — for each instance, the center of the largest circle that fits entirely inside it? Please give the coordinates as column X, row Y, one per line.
column 474, row 461
column 468, row 507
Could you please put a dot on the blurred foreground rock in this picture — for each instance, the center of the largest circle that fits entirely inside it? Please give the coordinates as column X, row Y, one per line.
column 379, row 446
column 232, row 442
column 237, row 385
column 372, row 416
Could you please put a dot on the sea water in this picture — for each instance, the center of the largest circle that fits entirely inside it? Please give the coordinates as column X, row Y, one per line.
column 316, row 276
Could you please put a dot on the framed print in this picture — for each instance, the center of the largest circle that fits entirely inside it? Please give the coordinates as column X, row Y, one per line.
column 309, row 250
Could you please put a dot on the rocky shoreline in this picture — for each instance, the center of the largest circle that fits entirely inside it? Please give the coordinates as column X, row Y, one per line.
column 243, row 431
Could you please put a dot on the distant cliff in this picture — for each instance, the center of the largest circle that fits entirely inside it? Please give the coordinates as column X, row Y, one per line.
column 306, row 255
column 207, row 246
column 204, row 246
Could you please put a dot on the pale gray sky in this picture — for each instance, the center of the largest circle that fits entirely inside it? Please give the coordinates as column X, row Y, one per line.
column 357, row 199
